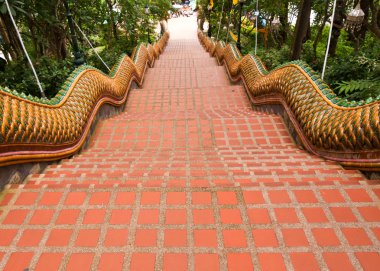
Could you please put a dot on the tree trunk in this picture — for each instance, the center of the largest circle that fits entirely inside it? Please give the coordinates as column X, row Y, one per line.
column 33, row 35
column 374, row 25
column 9, row 34
column 112, row 18
column 284, row 23
column 303, row 21
column 337, row 25
column 321, row 27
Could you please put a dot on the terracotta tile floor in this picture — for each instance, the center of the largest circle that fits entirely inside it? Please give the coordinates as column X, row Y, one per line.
column 189, row 177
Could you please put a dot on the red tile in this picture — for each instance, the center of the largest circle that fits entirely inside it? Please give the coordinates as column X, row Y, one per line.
column 146, row 238
column 343, row 214
column 125, row 198
column 201, row 198
column 258, row 216
column 279, row 197
column 41, row 217
column 286, row 215
column 305, row 196
column 230, row 216
column 265, row 238
column 148, row 216
column 239, row 261
column 111, row 262
column 204, row 216
column 304, row 261
column 358, row 195
column 100, row 198
column 50, row 198
column 59, row 237
column 120, row 217
column 142, row 261
column 331, row 196
column 175, row 261
column 87, row 238
column 338, row 261
column 234, row 238
column 370, row 261
column 7, row 236
column 226, row 197
column 370, row 214
column 376, row 231
column 325, row 237
column 75, row 198
column 271, row 262
column 175, row 238
column 315, row 215
column 150, row 198
column 206, row 262
column 176, row 198
column 18, row 261
column 253, row 197
column 205, row 238
column 94, row 216
column 116, row 238
column 295, row 238
column 356, row 237
column 49, row 261
column 80, row 262
column 175, row 216
column 4, row 201
column 15, row 217
column 26, row 198
column 67, row 217
column 30, row 238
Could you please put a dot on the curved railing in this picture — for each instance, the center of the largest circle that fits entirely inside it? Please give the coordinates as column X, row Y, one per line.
column 33, row 129
column 327, row 125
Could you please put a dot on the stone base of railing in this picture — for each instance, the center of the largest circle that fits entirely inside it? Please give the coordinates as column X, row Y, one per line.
column 16, row 174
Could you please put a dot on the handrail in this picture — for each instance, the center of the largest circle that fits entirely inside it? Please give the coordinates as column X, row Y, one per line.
column 35, row 130
column 327, row 125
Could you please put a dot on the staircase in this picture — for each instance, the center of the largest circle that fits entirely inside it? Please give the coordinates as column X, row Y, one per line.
column 189, row 177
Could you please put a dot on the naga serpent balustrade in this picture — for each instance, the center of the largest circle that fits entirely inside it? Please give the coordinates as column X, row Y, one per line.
column 34, row 130
column 334, row 128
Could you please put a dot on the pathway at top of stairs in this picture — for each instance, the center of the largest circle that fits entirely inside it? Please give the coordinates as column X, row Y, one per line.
column 189, row 177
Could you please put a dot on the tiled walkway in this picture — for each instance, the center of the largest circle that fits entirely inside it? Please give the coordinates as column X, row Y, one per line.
column 189, row 177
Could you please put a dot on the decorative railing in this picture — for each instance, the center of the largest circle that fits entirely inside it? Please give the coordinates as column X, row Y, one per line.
column 35, row 130
column 326, row 125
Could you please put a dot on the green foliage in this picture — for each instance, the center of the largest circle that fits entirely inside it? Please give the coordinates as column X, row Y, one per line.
column 116, row 25
column 351, row 67
column 14, row 5
column 110, row 55
column 274, row 57
column 52, row 74
column 362, row 89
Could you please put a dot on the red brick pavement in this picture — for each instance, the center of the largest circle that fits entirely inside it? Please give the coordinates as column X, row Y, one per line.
column 189, row 177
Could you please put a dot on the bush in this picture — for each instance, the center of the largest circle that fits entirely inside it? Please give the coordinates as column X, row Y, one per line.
column 52, row 74
column 274, row 57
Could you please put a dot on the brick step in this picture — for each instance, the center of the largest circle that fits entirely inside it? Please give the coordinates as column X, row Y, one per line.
column 198, row 77
column 212, row 100
column 194, row 63
column 96, row 226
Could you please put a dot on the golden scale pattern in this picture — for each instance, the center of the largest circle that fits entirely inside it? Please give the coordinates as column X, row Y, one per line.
column 327, row 125
column 34, row 130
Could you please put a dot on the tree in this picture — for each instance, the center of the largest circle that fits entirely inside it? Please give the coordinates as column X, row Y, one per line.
column 303, row 22
column 337, row 25
column 11, row 42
